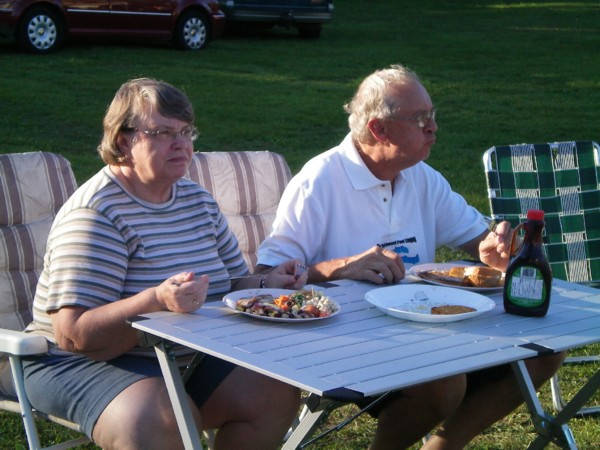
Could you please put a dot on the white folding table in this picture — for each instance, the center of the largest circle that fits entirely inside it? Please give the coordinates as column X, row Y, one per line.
column 364, row 352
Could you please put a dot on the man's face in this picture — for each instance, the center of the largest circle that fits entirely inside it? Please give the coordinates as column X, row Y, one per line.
column 410, row 132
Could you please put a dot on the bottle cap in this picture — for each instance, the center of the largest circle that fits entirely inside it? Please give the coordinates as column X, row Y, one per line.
column 535, row 214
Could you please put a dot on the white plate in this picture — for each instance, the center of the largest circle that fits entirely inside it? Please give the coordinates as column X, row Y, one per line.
column 414, row 271
column 231, row 299
column 403, row 301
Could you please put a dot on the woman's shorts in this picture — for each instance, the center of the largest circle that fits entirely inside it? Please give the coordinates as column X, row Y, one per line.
column 79, row 389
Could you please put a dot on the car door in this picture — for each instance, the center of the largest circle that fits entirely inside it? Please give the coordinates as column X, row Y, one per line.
column 142, row 17
column 87, row 17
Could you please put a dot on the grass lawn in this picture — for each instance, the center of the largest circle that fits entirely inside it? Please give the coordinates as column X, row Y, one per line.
column 499, row 72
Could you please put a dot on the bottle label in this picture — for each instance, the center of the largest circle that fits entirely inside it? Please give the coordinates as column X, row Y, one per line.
column 527, row 288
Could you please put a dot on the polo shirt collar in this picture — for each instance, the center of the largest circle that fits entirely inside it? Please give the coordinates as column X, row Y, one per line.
column 356, row 170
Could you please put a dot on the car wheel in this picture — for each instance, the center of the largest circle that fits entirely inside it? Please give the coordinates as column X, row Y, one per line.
column 192, row 31
column 309, row 30
column 40, row 31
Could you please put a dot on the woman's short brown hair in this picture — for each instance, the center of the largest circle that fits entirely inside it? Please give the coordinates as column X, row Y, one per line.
column 134, row 101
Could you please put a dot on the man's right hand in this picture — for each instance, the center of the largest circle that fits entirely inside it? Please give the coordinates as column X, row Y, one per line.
column 376, row 265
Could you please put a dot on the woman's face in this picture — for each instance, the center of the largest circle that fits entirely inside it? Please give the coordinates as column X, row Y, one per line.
column 159, row 151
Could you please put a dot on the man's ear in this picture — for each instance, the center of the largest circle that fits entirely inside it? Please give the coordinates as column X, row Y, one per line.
column 377, row 129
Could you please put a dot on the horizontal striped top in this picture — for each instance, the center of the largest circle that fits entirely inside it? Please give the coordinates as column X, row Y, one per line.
column 106, row 245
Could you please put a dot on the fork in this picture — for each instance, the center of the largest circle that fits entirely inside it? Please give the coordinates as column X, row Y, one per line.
column 491, row 223
column 244, row 277
column 299, row 270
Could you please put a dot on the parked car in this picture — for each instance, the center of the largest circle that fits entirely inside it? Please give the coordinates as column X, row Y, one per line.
column 307, row 16
column 39, row 26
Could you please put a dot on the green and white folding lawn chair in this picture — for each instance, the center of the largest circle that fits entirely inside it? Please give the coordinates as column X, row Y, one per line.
column 562, row 179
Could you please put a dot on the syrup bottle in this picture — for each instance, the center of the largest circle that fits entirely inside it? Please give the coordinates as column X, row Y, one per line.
column 528, row 280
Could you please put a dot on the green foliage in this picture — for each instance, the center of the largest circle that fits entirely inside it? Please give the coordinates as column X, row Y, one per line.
column 499, row 72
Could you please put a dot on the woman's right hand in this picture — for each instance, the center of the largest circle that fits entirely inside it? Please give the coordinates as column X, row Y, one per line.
column 102, row 333
column 182, row 293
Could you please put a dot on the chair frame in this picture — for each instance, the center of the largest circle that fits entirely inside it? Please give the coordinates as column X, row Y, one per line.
column 18, row 344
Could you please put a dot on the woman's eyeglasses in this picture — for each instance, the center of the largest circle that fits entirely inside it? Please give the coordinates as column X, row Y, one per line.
column 190, row 133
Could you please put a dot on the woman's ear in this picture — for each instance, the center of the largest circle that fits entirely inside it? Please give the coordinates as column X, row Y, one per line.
column 124, row 144
column 377, row 129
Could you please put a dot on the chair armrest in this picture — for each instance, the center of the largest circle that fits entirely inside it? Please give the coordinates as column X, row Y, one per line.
column 19, row 343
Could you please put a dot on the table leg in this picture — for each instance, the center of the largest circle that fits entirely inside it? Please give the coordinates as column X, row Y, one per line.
column 178, row 396
column 309, row 422
column 548, row 428
column 317, row 409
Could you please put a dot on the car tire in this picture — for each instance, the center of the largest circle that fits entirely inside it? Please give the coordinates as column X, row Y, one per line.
column 192, row 31
column 309, row 30
column 41, row 30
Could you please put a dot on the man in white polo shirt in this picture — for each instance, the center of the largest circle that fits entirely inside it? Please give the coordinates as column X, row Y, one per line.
column 369, row 209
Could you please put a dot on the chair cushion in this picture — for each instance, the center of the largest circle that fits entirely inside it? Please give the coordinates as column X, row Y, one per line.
column 33, row 187
column 247, row 186
column 6, row 385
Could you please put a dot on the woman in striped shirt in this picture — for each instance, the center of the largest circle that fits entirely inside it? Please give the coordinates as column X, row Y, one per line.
column 137, row 238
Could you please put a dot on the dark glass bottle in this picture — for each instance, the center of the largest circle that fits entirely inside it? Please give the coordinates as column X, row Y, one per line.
column 528, row 281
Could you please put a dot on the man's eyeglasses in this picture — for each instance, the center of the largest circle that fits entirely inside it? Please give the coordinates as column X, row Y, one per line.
column 421, row 120
column 169, row 135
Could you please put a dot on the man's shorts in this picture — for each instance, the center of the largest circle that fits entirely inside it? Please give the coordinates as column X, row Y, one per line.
column 474, row 381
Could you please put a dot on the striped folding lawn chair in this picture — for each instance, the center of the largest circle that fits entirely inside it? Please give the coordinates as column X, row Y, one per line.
column 33, row 187
column 563, row 180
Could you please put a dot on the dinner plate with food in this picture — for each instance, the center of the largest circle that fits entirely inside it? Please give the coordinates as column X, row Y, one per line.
column 424, row 303
column 470, row 278
column 282, row 305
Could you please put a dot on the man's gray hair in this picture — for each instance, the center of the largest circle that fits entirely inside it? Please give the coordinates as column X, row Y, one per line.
column 371, row 99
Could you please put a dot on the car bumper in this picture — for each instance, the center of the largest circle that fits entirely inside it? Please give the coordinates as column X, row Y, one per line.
column 288, row 17
column 8, row 22
column 281, row 14
column 218, row 24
